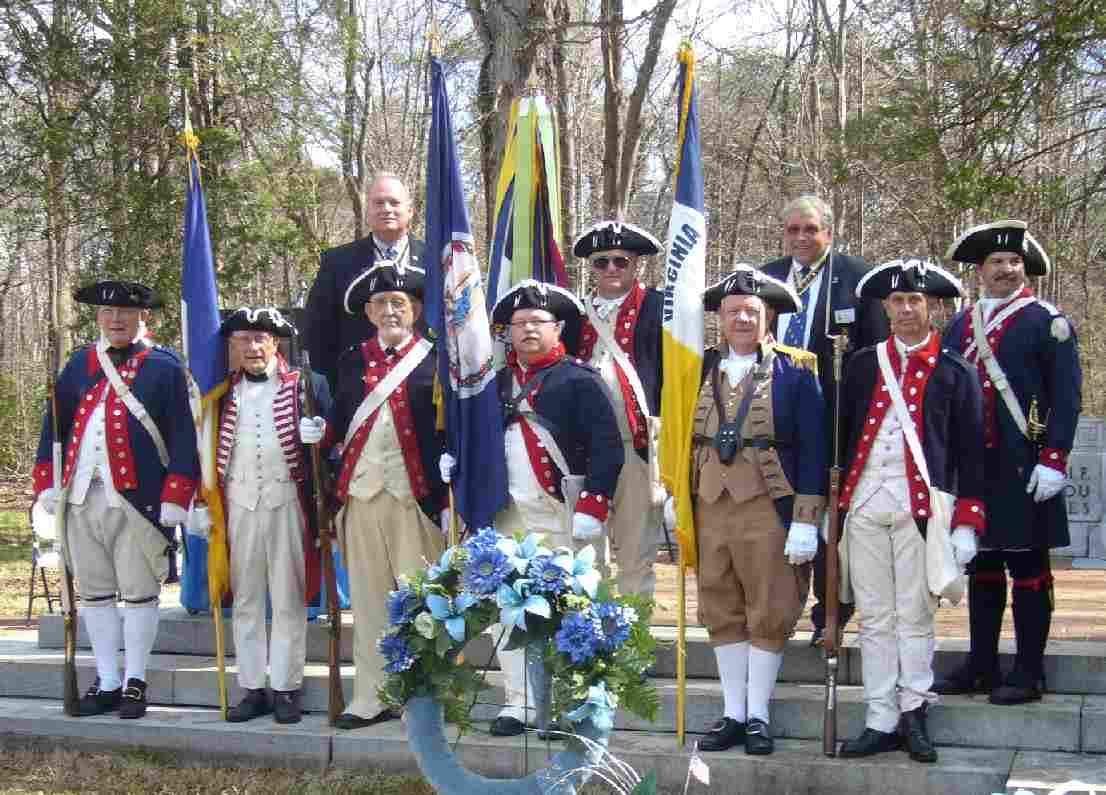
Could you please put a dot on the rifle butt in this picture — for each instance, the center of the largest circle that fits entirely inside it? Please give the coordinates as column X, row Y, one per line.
column 829, row 713
column 70, row 697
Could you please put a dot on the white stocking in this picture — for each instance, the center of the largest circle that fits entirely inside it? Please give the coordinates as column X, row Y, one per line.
column 733, row 666
column 764, row 667
column 139, row 632
column 106, row 634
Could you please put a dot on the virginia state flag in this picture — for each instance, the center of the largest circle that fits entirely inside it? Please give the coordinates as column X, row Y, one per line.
column 682, row 314
column 457, row 314
column 205, row 351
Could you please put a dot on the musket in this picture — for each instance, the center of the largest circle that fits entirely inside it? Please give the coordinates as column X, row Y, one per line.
column 324, row 521
column 68, row 596
column 829, row 645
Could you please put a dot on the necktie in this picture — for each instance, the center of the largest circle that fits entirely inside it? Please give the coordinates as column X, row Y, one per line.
column 796, row 328
column 389, row 351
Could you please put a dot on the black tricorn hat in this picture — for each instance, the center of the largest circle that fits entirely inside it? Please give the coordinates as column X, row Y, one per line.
column 265, row 318
column 608, row 235
column 116, row 293
column 747, row 280
column 912, row 275
column 385, row 276
column 532, row 294
column 974, row 245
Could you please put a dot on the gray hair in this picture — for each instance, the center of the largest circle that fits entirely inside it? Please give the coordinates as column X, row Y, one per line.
column 809, row 204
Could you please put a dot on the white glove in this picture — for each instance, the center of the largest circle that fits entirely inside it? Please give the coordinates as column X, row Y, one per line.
column 802, row 543
column 48, row 499
column 1045, row 483
column 443, row 523
column 965, row 544
column 446, row 465
column 670, row 514
column 312, row 429
column 585, row 527
column 199, row 522
column 172, row 515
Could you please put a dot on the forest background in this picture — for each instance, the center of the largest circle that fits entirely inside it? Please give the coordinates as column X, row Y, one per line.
column 914, row 118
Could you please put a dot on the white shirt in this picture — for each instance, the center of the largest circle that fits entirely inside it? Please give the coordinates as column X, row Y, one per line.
column 783, row 321
column 736, row 366
column 258, row 476
column 606, row 307
column 92, row 459
column 402, row 246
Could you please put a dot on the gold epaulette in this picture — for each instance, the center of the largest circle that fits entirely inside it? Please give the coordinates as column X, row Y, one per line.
column 800, row 357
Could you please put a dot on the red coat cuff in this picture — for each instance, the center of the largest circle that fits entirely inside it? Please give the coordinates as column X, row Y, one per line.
column 594, row 504
column 1055, row 458
column 970, row 511
column 178, row 489
column 43, row 475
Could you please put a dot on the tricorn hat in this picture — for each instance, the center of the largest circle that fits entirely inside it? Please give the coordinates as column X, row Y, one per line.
column 117, row 293
column 608, row 235
column 532, row 294
column 265, row 318
column 913, row 275
column 385, row 276
column 974, row 245
column 747, row 280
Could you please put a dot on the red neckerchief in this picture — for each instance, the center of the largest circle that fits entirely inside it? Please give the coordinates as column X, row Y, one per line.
column 377, row 366
column 546, row 472
column 524, row 374
column 994, row 338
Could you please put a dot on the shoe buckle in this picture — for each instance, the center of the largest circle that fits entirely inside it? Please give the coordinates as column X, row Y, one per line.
column 133, row 692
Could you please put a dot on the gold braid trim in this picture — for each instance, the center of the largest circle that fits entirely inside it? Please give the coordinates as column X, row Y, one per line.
column 799, row 357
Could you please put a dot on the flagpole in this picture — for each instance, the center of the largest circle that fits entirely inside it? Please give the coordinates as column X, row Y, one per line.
column 681, row 650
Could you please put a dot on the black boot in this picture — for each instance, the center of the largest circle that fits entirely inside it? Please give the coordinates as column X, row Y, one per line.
column 912, row 728
column 286, row 706
column 986, row 604
column 1032, row 620
column 134, row 699
column 253, row 705
column 870, row 742
column 96, row 701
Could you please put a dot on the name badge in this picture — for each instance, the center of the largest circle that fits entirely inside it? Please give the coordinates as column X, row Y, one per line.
column 843, row 316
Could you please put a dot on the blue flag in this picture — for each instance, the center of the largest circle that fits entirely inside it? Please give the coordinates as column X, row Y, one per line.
column 458, row 317
column 203, row 347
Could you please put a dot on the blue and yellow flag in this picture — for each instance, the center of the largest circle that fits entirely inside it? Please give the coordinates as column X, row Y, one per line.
column 682, row 318
column 205, row 351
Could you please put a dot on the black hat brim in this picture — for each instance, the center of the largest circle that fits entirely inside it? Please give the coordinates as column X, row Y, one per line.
column 910, row 276
column 610, row 235
column 747, row 280
column 128, row 295
column 257, row 319
column 384, row 278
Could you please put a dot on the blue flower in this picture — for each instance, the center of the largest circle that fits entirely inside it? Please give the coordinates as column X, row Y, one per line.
column 578, row 636
column 547, row 575
column 442, row 567
column 514, row 605
column 485, row 571
column 394, row 649
column 451, row 612
column 613, row 623
column 485, row 537
column 599, row 707
column 403, row 604
column 521, row 554
column 585, row 578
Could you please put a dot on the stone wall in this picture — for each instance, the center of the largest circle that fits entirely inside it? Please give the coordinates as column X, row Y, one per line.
column 1085, row 496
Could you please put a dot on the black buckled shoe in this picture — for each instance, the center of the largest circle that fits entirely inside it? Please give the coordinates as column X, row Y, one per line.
column 1020, row 687
column 912, row 727
column 96, row 701
column 286, row 706
column 506, row 726
column 966, row 680
column 870, row 742
column 348, row 721
column 758, row 738
column 253, row 705
column 724, row 735
column 133, row 704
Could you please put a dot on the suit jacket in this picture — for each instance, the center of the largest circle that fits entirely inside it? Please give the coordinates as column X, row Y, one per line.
column 330, row 330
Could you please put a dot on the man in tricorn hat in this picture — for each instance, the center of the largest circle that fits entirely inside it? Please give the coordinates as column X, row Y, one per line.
column 130, row 468
column 390, row 487
column 905, row 394
column 758, row 476
column 561, row 434
column 268, row 491
column 1028, row 362
column 621, row 338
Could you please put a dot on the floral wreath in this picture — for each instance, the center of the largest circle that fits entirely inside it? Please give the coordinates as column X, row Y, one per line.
column 596, row 646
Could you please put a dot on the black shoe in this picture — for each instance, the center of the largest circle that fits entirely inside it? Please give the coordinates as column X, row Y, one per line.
column 133, row 704
column 870, row 742
column 1020, row 687
column 286, row 706
column 348, row 721
column 912, row 727
column 254, row 705
column 758, row 738
column 96, row 701
column 725, row 735
column 506, row 726
column 966, row 680
column 818, row 637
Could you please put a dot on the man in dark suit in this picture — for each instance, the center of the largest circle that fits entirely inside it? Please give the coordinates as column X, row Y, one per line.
column 826, row 283
column 331, row 329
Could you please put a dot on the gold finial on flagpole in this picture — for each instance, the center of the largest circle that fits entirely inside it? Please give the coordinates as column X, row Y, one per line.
column 434, row 35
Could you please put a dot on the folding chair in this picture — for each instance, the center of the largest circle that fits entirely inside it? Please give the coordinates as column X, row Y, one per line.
column 43, row 529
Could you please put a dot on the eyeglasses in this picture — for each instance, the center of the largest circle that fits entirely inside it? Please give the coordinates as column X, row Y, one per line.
column 601, row 263
column 395, row 304
column 530, row 323
column 251, row 337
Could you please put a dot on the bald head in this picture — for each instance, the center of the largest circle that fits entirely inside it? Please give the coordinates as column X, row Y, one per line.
column 389, row 211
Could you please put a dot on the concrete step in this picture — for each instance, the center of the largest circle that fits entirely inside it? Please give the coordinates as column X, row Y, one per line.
column 1059, row 722
column 1054, row 773
column 1074, row 667
column 796, row 768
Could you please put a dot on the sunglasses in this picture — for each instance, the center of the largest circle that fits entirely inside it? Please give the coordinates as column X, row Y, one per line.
column 601, row 263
